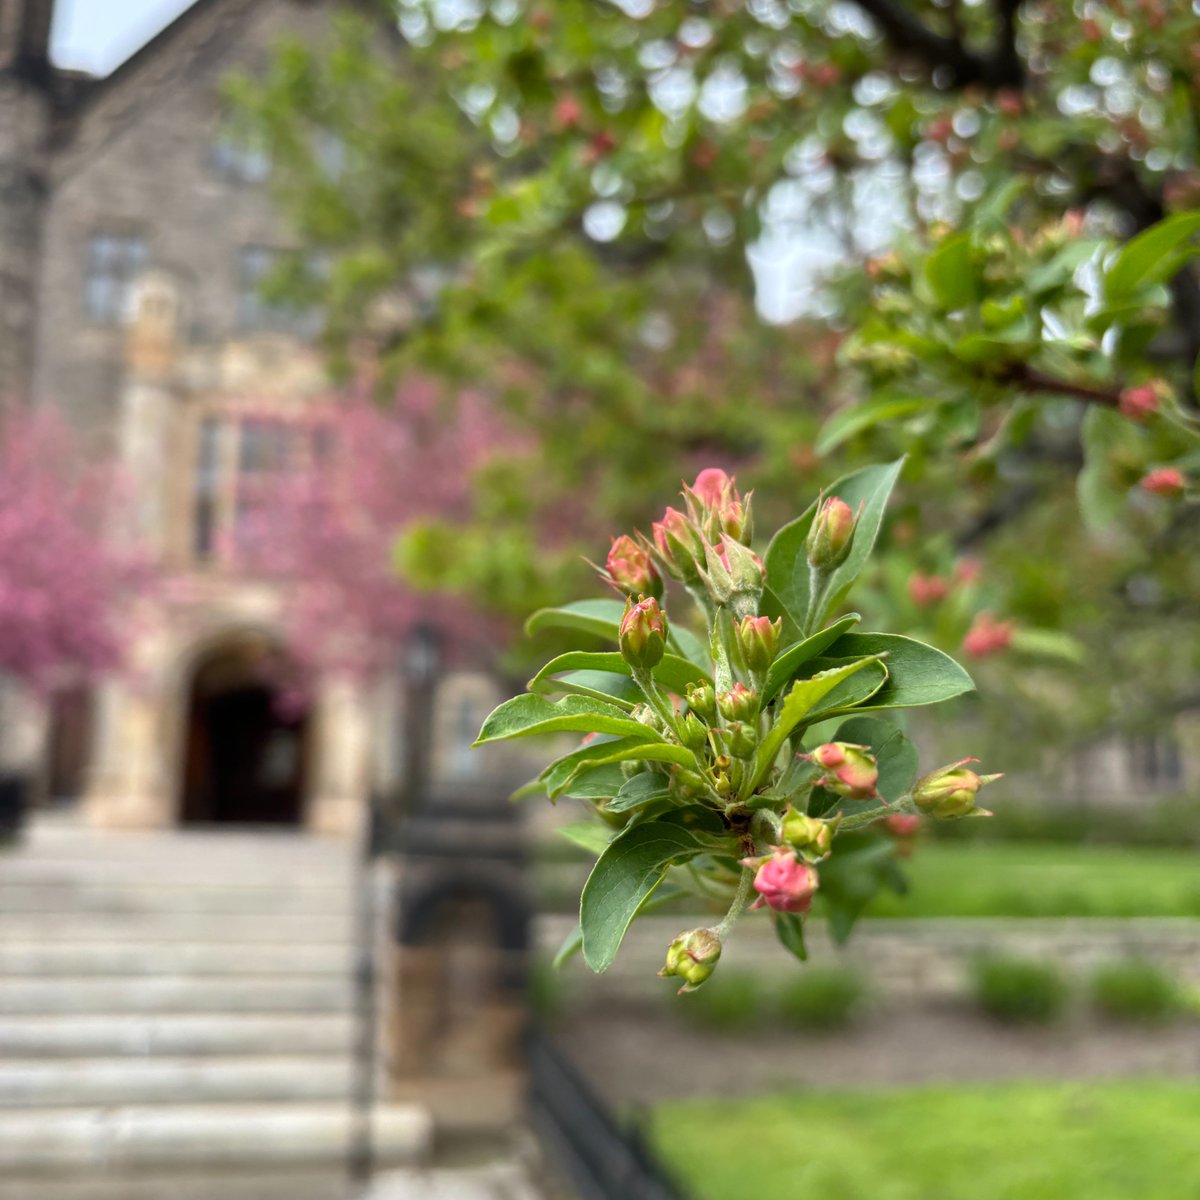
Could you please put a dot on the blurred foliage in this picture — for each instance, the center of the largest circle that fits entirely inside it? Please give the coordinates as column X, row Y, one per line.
column 1019, row 990
column 1138, row 991
column 1126, row 1139
column 823, row 997
column 731, row 1002
column 561, row 203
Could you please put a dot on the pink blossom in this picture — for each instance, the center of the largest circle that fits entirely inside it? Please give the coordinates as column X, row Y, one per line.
column 927, row 589
column 987, row 636
column 1164, row 481
column 784, row 882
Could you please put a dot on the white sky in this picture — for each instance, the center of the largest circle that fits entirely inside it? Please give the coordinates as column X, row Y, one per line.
column 98, row 35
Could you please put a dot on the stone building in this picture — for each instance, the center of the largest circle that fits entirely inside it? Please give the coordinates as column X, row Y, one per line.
column 134, row 234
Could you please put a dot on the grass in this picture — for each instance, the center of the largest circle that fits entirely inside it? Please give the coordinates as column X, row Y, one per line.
column 1122, row 1140
column 1137, row 991
column 1029, row 879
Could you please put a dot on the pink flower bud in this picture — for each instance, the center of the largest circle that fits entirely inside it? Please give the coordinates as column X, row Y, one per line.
column 927, row 589
column 692, row 957
column 831, row 533
column 968, row 571
column 629, row 569
column 758, row 641
column 679, row 545
column 643, row 633
column 851, row 770
column 1139, row 403
column 740, row 703
column 713, row 487
column 1164, row 481
column 987, row 636
column 902, row 825
column 783, row 881
column 950, row 791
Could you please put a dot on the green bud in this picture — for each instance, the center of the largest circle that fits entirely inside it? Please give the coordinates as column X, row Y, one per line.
column 810, row 837
column 693, row 732
column 758, row 641
column 702, row 700
column 950, row 791
column 741, row 738
column 692, row 957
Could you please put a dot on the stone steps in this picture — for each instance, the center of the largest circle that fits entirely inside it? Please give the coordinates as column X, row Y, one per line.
column 175, row 994
column 69, row 1140
column 177, row 1019
column 100, row 1035
column 34, row 1083
column 171, row 957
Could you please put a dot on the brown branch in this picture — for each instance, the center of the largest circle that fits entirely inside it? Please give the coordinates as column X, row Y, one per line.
column 1029, row 380
column 1000, row 68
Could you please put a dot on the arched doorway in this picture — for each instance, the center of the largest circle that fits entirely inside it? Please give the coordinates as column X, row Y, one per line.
column 246, row 745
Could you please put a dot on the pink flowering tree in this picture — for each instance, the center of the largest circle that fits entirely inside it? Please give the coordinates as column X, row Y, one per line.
column 742, row 757
column 332, row 527
column 64, row 580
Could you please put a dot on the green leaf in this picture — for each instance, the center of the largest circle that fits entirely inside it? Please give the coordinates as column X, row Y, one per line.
column 951, row 273
column 639, row 791
column 572, row 944
column 597, row 781
column 691, row 647
column 1049, row 643
column 673, row 672
column 789, row 929
column 664, row 752
column 601, row 617
column 917, row 674
column 527, row 716
column 556, row 773
column 850, row 880
column 1151, row 257
column 800, row 701
column 854, row 418
column 625, row 875
column 588, row 835
column 794, row 657
column 850, row 693
column 897, row 757
column 787, row 555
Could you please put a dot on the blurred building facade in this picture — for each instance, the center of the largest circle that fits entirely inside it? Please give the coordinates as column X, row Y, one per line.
column 135, row 231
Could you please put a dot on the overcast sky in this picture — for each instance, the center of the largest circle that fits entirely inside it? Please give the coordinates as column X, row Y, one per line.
column 97, row 35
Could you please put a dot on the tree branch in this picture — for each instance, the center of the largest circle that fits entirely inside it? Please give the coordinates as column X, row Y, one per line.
column 1029, row 380
column 1001, row 68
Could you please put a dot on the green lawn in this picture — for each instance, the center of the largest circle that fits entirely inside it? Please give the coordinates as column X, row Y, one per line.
column 1123, row 1140
column 1030, row 879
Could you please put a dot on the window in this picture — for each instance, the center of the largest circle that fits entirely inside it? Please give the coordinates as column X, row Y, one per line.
column 239, row 158
column 114, row 260
column 239, row 461
column 256, row 264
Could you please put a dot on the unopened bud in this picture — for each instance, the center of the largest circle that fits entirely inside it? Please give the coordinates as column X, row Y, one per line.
column 734, row 575
column 810, row 837
column 950, row 791
column 717, row 507
column 741, row 738
column 643, row 633
column 783, row 881
column 830, row 535
column 692, row 957
column 740, row 703
column 850, row 770
column 702, row 700
column 1164, row 481
column 679, row 546
column 987, row 636
column 693, row 732
column 1143, row 401
column 758, row 640
column 629, row 569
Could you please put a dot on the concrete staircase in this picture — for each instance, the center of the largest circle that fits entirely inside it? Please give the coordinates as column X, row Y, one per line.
column 179, row 1007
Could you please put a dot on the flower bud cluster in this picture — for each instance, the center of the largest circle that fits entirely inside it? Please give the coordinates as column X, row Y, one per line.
column 643, row 633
